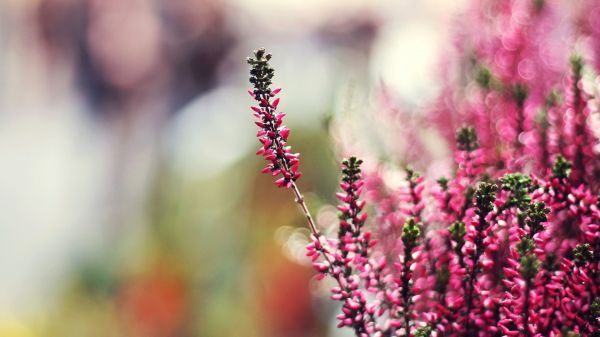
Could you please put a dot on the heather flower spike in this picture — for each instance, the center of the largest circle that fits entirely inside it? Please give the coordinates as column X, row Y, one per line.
column 411, row 232
column 273, row 135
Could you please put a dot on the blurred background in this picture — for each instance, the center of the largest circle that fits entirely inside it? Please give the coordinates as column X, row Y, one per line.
column 130, row 199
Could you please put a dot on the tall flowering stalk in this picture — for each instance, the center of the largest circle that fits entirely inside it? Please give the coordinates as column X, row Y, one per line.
column 272, row 134
column 577, row 129
column 477, row 231
column 523, row 295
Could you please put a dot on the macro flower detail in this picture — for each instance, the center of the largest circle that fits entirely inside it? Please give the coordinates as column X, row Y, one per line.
column 346, row 259
column 273, row 135
column 506, row 244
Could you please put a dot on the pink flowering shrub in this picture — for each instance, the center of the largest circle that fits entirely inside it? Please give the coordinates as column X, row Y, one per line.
column 509, row 243
column 509, row 76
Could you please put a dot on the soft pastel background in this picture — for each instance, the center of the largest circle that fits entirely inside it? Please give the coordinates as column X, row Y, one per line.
column 130, row 203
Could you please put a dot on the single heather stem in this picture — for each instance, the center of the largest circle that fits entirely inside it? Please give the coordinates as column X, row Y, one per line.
column 309, row 219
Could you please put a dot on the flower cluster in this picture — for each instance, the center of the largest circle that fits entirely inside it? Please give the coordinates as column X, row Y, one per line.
column 272, row 134
column 516, row 88
column 346, row 259
column 509, row 243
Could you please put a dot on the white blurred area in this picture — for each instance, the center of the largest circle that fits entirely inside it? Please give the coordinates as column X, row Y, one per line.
column 74, row 173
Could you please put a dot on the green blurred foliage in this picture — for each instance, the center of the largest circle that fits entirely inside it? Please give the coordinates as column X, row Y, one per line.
column 205, row 262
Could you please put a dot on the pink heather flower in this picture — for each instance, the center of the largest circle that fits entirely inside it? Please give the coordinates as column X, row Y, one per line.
column 524, row 288
column 577, row 130
column 588, row 19
column 401, row 313
column 510, row 62
column 350, row 251
column 273, row 135
column 352, row 242
column 509, row 243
